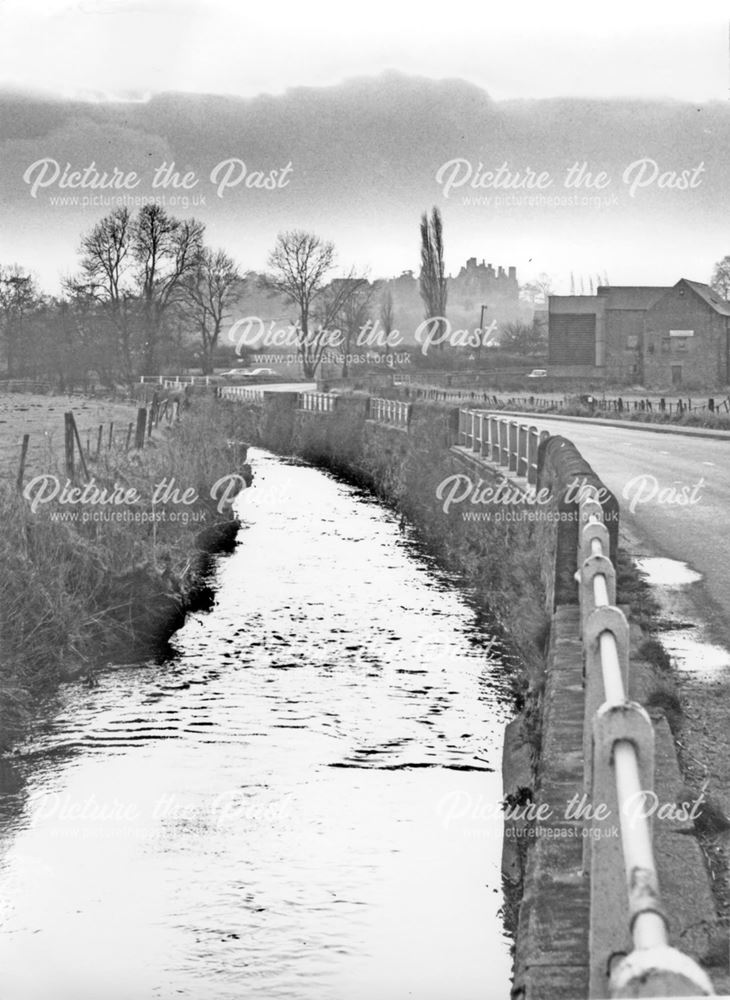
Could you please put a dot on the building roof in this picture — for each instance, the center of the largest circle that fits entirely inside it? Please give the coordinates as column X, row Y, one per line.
column 631, row 296
column 710, row 296
column 640, row 297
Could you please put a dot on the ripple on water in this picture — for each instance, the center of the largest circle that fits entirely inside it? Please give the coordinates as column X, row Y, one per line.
column 294, row 805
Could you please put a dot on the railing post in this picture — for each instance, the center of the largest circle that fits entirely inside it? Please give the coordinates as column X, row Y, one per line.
column 659, row 972
column 503, row 444
column 512, row 446
column 593, row 531
column 494, row 439
column 606, row 620
column 609, row 935
column 483, row 435
column 592, row 567
column 522, row 467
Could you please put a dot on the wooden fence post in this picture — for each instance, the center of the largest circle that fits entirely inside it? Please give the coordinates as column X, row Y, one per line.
column 98, row 441
column 75, row 433
column 23, row 456
column 141, row 427
column 69, row 444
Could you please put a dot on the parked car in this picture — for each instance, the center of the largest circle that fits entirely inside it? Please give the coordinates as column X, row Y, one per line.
column 537, row 373
column 244, row 374
column 234, row 373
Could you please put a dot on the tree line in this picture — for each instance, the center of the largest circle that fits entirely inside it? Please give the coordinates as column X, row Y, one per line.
column 149, row 292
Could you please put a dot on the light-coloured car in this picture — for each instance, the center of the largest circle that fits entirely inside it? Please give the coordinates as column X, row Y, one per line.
column 537, row 373
column 247, row 373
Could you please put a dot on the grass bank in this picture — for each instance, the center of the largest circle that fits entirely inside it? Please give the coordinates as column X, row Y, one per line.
column 87, row 580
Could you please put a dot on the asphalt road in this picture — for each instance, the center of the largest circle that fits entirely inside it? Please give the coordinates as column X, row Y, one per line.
column 637, row 466
column 651, row 474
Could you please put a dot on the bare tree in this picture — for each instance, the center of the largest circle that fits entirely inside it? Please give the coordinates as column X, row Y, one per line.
column 352, row 297
column 165, row 252
column 105, row 279
column 720, row 281
column 210, row 290
column 523, row 338
column 89, row 338
column 387, row 315
column 537, row 292
column 18, row 297
column 432, row 279
column 299, row 265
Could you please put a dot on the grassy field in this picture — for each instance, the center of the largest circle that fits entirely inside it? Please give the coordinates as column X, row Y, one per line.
column 86, row 581
column 42, row 418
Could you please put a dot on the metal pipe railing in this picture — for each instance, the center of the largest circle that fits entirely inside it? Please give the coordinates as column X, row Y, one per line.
column 619, row 768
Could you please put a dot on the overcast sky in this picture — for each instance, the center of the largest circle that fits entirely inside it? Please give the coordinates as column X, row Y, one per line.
column 117, row 50
column 534, row 48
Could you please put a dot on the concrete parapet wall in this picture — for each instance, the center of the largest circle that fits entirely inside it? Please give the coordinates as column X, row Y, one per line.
column 564, row 472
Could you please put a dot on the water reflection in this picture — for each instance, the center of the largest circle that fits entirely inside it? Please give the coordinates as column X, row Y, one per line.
column 271, row 814
column 682, row 636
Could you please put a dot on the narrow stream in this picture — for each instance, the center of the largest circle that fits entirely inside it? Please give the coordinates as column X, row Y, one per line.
column 301, row 803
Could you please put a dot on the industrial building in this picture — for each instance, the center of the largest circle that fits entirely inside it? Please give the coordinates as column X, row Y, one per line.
column 651, row 335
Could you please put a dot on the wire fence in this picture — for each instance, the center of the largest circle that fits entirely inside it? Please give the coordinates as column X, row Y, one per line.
column 82, row 447
column 618, row 405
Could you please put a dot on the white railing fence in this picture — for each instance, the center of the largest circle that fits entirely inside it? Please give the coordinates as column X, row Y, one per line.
column 317, row 402
column 629, row 950
column 505, row 442
column 389, row 411
column 249, row 392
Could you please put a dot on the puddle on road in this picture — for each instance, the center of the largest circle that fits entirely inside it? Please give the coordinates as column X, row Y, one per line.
column 660, row 572
column 682, row 636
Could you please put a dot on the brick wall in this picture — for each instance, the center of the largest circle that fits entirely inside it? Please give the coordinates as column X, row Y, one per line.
column 701, row 358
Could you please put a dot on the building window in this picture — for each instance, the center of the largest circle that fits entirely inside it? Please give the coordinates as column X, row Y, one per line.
column 632, row 342
column 665, row 345
column 681, row 343
column 650, row 348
